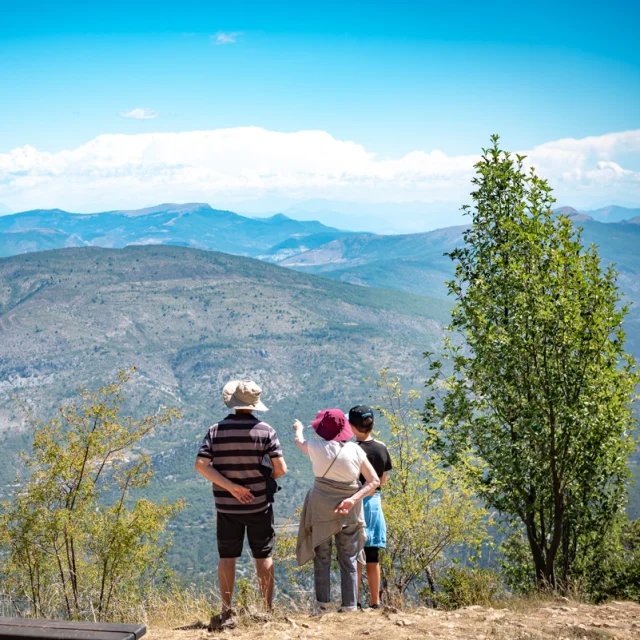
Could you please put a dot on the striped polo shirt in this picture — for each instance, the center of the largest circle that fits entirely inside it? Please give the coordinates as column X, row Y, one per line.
column 237, row 447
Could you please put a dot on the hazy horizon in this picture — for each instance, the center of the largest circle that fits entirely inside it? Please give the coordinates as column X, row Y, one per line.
column 378, row 110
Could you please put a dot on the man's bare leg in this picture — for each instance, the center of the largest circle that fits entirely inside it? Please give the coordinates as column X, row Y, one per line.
column 226, row 579
column 373, row 578
column 265, row 570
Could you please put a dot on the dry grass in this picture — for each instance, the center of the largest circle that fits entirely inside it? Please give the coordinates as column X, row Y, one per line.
column 176, row 608
column 529, row 603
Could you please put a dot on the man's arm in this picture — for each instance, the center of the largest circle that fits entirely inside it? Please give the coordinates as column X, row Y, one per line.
column 240, row 493
column 279, row 467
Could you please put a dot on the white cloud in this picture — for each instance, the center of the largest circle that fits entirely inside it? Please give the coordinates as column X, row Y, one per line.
column 140, row 114
column 224, row 166
column 225, row 37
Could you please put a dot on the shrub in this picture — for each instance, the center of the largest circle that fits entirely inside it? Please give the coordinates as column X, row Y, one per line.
column 77, row 547
column 467, row 586
column 430, row 510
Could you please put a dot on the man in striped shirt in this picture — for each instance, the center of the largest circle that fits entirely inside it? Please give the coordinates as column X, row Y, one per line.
column 233, row 456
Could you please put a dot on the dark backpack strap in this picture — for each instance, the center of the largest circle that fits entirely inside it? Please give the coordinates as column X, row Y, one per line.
column 272, row 486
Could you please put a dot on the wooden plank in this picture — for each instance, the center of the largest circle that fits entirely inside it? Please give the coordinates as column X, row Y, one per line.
column 137, row 630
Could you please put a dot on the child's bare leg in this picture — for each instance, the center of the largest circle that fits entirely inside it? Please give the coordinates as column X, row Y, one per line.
column 373, row 578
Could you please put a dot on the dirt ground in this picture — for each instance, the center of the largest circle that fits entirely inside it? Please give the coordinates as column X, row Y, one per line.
column 556, row 620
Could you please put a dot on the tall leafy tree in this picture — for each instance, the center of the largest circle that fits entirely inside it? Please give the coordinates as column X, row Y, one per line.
column 540, row 385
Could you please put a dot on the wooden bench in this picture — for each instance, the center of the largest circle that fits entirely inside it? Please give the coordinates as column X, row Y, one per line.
column 21, row 628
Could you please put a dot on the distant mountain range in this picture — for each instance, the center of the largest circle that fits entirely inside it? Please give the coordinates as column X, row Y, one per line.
column 413, row 263
column 193, row 225
column 416, row 262
column 614, row 214
column 278, row 238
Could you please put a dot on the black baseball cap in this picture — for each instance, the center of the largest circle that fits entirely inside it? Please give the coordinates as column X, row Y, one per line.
column 359, row 413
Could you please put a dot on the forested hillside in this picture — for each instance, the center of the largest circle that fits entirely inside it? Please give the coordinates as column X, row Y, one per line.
column 189, row 320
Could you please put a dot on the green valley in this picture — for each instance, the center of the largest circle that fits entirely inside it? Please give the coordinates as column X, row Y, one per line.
column 189, row 320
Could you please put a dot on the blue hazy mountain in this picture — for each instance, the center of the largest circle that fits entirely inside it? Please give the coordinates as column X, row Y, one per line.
column 613, row 214
column 415, row 263
column 194, row 225
column 278, row 238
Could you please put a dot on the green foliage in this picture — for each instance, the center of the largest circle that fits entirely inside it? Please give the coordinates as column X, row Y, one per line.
column 622, row 579
column 430, row 510
column 540, row 387
column 75, row 545
column 516, row 566
column 610, row 567
column 467, row 586
column 247, row 595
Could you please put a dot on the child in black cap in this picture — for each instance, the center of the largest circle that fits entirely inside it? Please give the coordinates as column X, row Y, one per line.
column 362, row 421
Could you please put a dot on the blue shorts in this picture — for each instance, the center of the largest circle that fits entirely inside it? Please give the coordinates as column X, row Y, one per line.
column 376, row 528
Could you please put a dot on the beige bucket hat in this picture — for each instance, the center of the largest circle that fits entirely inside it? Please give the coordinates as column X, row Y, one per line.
column 243, row 394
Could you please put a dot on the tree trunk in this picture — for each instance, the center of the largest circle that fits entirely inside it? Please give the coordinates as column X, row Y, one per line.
column 556, row 539
column 536, row 551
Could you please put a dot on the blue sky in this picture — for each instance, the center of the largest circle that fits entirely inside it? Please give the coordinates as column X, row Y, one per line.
column 393, row 77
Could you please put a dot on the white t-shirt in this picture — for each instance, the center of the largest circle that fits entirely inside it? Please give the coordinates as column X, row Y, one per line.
column 347, row 466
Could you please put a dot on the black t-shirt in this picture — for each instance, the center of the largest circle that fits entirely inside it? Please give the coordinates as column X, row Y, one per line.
column 378, row 456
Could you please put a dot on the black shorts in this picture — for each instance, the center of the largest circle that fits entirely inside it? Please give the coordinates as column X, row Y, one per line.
column 372, row 554
column 260, row 533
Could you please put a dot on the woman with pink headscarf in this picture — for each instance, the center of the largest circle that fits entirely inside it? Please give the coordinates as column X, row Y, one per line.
column 333, row 507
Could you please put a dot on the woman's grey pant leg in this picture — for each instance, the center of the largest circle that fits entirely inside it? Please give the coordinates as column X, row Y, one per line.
column 322, row 571
column 347, row 545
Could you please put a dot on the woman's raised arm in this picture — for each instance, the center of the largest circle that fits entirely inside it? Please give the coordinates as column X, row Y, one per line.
column 299, row 438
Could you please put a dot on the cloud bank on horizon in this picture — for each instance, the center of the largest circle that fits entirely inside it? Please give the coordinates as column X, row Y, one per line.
column 226, row 166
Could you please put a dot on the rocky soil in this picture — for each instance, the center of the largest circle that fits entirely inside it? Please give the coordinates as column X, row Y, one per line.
column 556, row 620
